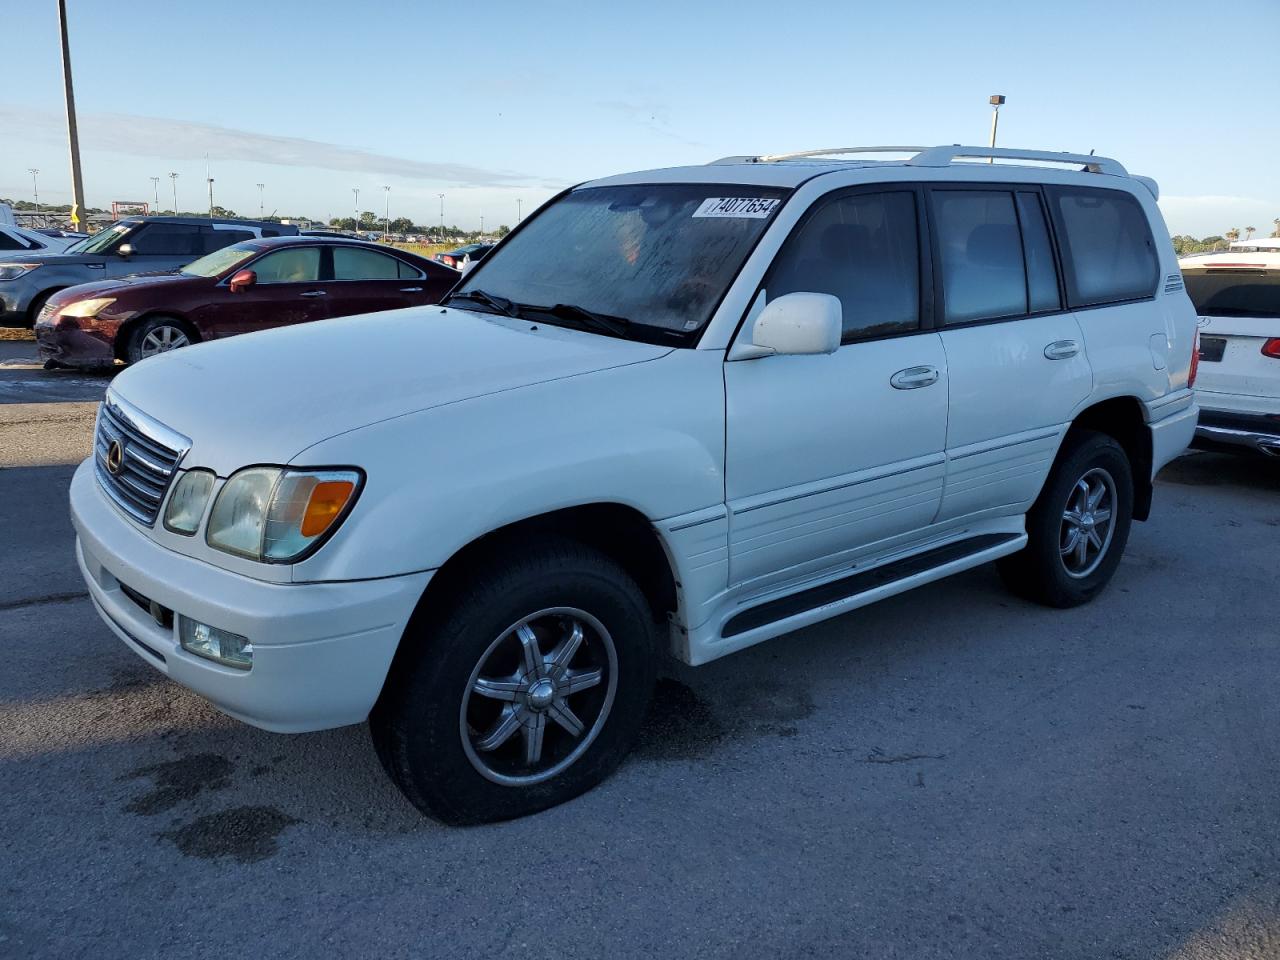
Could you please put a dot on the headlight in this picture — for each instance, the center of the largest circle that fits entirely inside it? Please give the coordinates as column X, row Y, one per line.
column 187, row 502
column 12, row 271
column 279, row 515
column 86, row 308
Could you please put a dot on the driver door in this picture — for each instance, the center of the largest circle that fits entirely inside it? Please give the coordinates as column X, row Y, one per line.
column 835, row 457
column 288, row 290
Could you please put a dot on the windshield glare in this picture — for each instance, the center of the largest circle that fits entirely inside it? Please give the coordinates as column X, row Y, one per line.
column 660, row 255
column 104, row 238
column 212, row 264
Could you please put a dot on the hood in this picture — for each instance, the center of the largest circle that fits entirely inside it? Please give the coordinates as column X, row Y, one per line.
column 115, row 286
column 265, row 397
column 53, row 258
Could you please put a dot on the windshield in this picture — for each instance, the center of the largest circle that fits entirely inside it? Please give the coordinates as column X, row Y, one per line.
column 656, row 255
column 104, row 238
column 212, row 264
column 1235, row 292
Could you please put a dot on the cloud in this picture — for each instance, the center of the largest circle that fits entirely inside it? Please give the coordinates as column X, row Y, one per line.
column 186, row 139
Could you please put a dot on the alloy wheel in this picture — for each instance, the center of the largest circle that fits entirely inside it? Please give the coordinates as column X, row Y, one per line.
column 162, row 339
column 1088, row 523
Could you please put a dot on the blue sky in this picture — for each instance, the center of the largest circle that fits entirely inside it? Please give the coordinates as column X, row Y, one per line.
column 493, row 102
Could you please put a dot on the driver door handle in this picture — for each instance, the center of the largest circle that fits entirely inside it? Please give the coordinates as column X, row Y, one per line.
column 410, row 289
column 312, row 293
column 1062, row 350
column 913, row 378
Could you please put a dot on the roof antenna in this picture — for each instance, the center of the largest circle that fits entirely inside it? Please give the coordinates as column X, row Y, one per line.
column 1085, row 168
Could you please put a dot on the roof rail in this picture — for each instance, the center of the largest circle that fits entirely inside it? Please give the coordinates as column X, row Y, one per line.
column 945, row 156
column 802, row 154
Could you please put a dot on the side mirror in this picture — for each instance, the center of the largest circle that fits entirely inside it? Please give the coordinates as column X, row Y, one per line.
column 798, row 324
column 242, row 280
column 125, row 250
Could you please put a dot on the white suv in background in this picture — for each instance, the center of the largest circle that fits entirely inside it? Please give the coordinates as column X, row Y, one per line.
column 680, row 411
column 1237, row 295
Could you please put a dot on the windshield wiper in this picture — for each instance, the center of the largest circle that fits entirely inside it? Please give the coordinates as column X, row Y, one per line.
column 617, row 326
column 501, row 304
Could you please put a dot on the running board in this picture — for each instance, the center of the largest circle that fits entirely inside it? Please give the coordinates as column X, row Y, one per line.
column 868, row 581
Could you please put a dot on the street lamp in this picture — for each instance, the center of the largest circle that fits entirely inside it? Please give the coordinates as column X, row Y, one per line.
column 387, row 225
column 35, row 187
column 441, row 216
column 173, row 179
column 519, row 211
column 356, row 191
column 260, row 207
column 996, row 101
column 155, row 186
column 482, row 226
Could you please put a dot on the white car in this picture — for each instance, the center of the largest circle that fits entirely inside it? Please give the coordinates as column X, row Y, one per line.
column 15, row 242
column 1237, row 295
column 675, row 412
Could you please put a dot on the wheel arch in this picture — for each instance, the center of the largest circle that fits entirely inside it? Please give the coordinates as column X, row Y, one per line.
column 1124, row 420
column 125, row 331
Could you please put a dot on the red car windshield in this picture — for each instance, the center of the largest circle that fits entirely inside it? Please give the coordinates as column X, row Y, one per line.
column 218, row 262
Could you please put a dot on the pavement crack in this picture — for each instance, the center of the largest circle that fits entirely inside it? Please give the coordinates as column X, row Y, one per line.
column 40, row 601
column 879, row 756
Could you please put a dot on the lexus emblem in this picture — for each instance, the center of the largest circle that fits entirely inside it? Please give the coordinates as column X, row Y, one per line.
column 115, row 457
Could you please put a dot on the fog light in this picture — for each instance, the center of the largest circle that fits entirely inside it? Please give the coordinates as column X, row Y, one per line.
column 214, row 644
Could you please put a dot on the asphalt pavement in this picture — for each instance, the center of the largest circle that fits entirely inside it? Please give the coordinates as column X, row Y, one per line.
column 950, row 773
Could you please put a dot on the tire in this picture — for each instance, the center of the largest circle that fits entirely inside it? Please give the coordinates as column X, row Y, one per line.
column 1054, row 569
column 156, row 335
column 436, row 736
column 36, row 305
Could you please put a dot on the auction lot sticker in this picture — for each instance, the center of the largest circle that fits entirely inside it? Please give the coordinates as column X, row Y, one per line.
column 752, row 208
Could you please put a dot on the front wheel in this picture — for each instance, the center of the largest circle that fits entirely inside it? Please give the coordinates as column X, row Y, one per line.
column 524, row 692
column 157, row 335
column 1078, row 527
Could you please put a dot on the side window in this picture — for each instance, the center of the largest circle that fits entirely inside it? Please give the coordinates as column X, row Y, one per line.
column 291, row 265
column 1042, row 275
column 353, row 263
column 409, row 273
column 983, row 274
column 167, row 240
column 863, row 249
column 1107, row 250
column 10, row 242
column 217, row 239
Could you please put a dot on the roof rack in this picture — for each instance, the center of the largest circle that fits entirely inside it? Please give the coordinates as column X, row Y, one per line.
column 944, row 156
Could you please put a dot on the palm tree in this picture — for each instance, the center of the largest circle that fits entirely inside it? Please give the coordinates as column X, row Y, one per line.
column 1248, row 232
column 1232, row 234
column 1276, row 221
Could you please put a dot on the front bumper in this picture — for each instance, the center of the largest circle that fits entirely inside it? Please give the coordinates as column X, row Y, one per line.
column 63, row 341
column 321, row 650
column 1252, row 431
column 14, row 301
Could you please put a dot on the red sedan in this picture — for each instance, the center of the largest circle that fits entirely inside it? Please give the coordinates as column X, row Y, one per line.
column 254, row 285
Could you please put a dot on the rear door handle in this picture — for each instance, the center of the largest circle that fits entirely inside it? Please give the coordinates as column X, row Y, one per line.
column 913, row 378
column 1062, row 350
column 312, row 293
column 410, row 289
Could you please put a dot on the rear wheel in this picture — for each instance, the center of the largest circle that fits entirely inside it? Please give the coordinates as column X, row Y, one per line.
column 157, row 335
column 1078, row 527
column 527, row 690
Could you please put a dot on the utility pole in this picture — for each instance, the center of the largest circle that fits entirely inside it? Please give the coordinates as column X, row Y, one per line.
column 260, row 206
column 519, row 211
column 387, row 227
column 356, row 191
column 73, row 136
column 996, row 101
column 173, row 179
column 155, row 186
column 35, row 187
column 441, row 216
column 209, row 177
column 482, row 226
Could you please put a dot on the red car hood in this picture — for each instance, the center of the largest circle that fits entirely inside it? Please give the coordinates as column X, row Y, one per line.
column 142, row 284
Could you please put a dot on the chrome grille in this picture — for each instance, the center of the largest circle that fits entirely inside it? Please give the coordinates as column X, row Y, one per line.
column 137, row 476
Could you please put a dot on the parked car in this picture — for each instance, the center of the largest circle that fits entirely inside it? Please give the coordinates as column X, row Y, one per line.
column 464, row 255
column 687, row 411
column 248, row 286
column 19, row 241
column 1237, row 295
column 133, row 245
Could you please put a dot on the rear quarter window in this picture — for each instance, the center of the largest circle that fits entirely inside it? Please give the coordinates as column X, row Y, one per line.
column 1107, row 250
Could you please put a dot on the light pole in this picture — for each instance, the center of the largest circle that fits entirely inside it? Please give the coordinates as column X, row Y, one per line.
column 260, row 206
column 996, row 101
column 73, row 136
column 482, row 226
column 155, row 186
column 35, row 187
column 441, row 216
column 519, row 211
column 387, row 225
column 173, row 179
column 356, row 191
column 210, row 179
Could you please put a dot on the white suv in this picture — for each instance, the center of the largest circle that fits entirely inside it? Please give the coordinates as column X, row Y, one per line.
column 681, row 411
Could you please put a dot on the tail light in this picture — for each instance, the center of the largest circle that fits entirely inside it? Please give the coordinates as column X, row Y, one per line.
column 448, row 261
column 1272, row 348
column 1195, row 361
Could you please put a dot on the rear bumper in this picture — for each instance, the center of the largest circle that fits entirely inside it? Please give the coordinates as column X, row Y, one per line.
column 1171, row 435
column 1252, row 431
column 321, row 650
